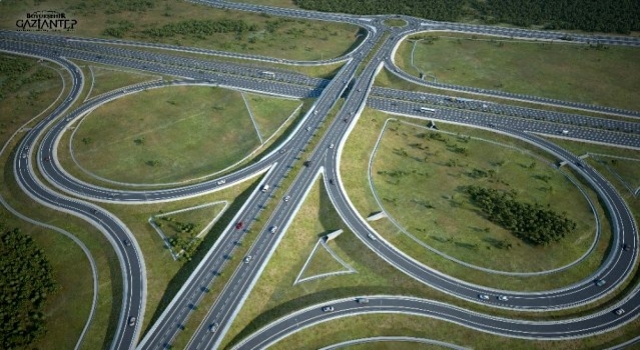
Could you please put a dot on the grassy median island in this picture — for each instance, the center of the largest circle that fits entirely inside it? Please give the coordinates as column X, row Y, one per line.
column 600, row 75
column 174, row 133
column 189, row 24
column 104, row 79
column 424, row 180
column 463, row 235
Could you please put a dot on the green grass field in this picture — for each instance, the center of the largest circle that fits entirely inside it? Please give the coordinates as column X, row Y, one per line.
column 322, row 262
column 276, row 37
column 429, row 201
column 608, row 77
column 106, row 79
column 165, row 132
column 354, row 176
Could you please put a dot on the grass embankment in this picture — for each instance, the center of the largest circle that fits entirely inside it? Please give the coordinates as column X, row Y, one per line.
column 184, row 23
column 441, row 178
column 596, row 75
column 107, row 79
column 172, row 134
column 36, row 88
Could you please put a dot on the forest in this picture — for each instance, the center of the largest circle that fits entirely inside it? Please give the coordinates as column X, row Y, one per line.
column 26, row 279
column 617, row 16
column 530, row 222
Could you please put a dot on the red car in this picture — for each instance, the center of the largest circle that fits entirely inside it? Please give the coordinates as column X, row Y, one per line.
column 239, row 225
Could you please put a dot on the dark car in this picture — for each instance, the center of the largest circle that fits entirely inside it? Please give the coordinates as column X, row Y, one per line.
column 239, row 225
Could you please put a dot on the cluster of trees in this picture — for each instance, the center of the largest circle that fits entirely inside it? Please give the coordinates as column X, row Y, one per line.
column 201, row 28
column 26, row 279
column 589, row 15
column 112, row 6
column 184, row 238
column 17, row 72
column 445, row 10
column 531, row 223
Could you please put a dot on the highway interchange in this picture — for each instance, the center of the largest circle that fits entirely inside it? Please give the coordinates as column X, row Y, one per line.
column 514, row 121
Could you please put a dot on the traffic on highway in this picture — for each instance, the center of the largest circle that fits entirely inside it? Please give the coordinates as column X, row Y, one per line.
column 41, row 175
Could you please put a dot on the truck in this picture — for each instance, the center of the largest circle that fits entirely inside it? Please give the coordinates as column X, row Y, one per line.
column 265, row 188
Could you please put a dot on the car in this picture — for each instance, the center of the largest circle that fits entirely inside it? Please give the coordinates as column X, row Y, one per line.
column 362, row 300
column 331, row 145
column 483, row 296
column 331, row 181
column 46, row 159
column 307, row 163
column 132, row 321
column 213, row 327
column 308, row 128
column 626, row 247
column 600, row 282
column 273, row 229
column 239, row 225
column 503, row 298
column 222, row 182
column 619, row 311
column 247, row 259
column 372, row 237
column 287, row 198
column 327, row 309
column 127, row 242
column 24, row 155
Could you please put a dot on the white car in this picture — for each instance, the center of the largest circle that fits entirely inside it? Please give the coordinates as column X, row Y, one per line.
column 372, row 237
column 273, row 229
column 331, row 145
column 483, row 296
column 287, row 198
column 247, row 259
column 618, row 311
column 503, row 298
column 214, row 327
column 222, row 182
